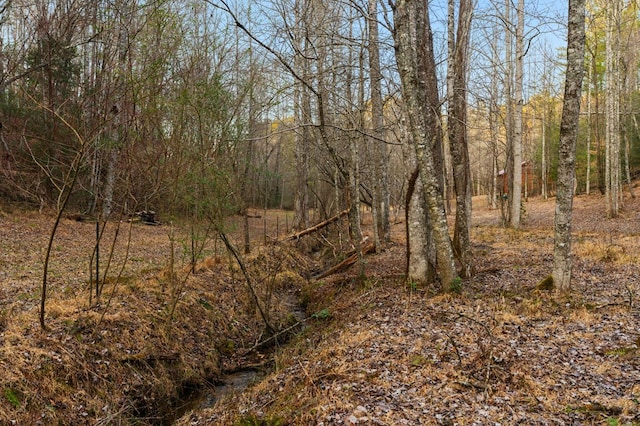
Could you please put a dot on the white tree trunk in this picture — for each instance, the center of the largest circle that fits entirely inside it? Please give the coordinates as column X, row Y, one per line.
column 517, row 130
column 612, row 118
column 567, row 148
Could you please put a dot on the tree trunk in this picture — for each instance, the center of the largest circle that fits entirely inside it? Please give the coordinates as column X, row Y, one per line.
column 457, row 125
column 381, row 180
column 355, row 231
column 588, row 180
column 516, row 197
column 567, row 147
column 353, row 199
column 509, row 125
column 627, row 149
column 627, row 168
column 420, row 266
column 109, row 182
column 493, row 123
column 629, row 61
column 119, row 109
column 545, row 180
column 612, row 120
column 416, row 65
column 597, row 130
column 302, row 112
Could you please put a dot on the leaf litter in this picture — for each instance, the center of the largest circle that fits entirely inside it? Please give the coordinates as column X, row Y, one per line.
column 373, row 352
column 500, row 353
column 124, row 359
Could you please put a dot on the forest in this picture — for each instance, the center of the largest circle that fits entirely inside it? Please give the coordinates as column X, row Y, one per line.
column 366, row 212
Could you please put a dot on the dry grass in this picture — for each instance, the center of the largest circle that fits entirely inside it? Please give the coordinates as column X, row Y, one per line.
column 501, row 352
column 124, row 360
column 374, row 351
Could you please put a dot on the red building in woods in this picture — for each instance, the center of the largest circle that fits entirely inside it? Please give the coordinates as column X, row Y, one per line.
column 531, row 184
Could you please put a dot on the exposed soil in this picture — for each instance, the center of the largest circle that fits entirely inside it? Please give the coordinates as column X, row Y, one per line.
column 373, row 351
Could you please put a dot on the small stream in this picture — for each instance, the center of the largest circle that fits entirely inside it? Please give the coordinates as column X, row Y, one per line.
column 234, row 381
column 205, row 397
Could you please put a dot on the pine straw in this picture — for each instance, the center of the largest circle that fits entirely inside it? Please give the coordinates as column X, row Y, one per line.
column 123, row 361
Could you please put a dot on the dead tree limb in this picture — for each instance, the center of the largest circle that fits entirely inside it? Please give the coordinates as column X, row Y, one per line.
column 247, row 277
column 350, row 260
column 317, row 227
column 262, row 343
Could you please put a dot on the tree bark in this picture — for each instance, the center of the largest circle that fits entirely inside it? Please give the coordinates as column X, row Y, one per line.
column 493, row 122
column 516, row 197
column 588, row 179
column 302, row 112
column 567, row 147
column 457, row 125
column 420, row 266
column 381, row 180
column 416, row 65
column 612, row 120
column 509, row 125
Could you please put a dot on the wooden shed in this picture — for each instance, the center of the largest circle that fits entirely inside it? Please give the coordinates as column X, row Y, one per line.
column 530, row 180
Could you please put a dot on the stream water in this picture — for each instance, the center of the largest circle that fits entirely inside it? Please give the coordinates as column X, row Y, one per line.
column 235, row 381
column 232, row 382
column 206, row 397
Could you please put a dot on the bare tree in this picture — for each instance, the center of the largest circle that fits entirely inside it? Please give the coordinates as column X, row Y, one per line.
column 612, row 120
column 416, row 65
column 589, row 132
column 516, row 202
column 457, row 126
column 302, row 116
column 629, row 60
column 509, row 110
column 381, row 177
column 562, row 264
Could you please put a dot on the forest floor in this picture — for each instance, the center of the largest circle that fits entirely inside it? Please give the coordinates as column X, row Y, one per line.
column 372, row 351
column 501, row 352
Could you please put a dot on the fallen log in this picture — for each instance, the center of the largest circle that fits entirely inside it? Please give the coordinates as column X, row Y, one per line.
column 317, row 227
column 346, row 263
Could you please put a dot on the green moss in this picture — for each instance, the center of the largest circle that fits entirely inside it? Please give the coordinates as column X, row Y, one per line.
column 12, row 397
column 456, row 285
column 546, row 284
column 419, row 361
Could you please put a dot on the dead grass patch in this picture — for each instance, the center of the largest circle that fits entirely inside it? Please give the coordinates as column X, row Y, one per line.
column 121, row 360
column 372, row 350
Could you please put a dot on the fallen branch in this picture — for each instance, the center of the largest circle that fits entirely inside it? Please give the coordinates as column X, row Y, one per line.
column 346, row 263
column 261, row 343
column 243, row 268
column 472, row 383
column 317, row 227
